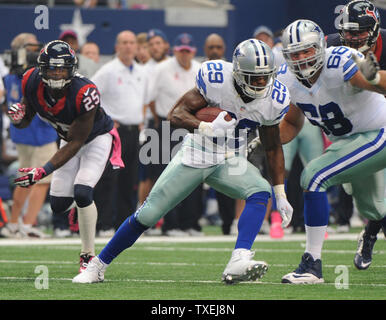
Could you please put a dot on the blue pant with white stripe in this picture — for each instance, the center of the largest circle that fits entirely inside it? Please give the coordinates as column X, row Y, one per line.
column 358, row 160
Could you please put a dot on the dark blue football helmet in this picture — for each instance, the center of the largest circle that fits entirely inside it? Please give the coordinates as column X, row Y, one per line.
column 57, row 54
column 359, row 16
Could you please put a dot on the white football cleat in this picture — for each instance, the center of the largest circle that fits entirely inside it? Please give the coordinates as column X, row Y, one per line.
column 241, row 267
column 308, row 272
column 84, row 260
column 95, row 272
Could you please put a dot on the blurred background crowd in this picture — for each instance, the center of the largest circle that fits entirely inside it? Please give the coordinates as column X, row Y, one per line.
column 140, row 74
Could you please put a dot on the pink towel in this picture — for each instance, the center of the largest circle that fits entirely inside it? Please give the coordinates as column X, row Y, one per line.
column 115, row 159
column 326, row 141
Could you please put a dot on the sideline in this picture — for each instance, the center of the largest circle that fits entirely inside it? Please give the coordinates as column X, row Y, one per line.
column 164, row 239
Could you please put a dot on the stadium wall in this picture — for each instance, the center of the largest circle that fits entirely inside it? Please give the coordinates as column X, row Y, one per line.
column 234, row 25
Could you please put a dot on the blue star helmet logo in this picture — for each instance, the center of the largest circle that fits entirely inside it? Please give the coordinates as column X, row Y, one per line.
column 238, row 52
column 316, row 28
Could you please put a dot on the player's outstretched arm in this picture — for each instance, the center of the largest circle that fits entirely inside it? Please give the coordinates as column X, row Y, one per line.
column 291, row 124
column 77, row 136
column 270, row 138
column 182, row 114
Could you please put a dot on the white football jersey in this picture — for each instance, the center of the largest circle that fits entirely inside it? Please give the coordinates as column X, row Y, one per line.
column 332, row 102
column 215, row 82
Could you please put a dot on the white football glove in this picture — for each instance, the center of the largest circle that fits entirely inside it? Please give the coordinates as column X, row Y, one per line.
column 369, row 67
column 282, row 205
column 16, row 113
column 32, row 176
column 218, row 128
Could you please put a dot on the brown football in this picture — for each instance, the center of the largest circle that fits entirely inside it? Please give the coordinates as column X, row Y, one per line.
column 208, row 114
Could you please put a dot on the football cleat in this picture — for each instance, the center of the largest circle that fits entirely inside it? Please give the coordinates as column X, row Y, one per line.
column 241, row 267
column 363, row 256
column 84, row 260
column 95, row 272
column 308, row 272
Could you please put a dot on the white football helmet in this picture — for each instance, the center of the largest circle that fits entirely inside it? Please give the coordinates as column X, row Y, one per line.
column 254, row 58
column 302, row 35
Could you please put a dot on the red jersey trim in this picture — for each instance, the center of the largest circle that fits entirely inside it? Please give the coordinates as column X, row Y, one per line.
column 56, row 108
column 79, row 95
column 24, row 81
column 378, row 48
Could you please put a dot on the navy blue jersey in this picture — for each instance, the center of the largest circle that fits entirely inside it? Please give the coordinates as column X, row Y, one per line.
column 81, row 96
column 380, row 49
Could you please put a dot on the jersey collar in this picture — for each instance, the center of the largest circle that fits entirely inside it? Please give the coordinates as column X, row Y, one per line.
column 52, row 110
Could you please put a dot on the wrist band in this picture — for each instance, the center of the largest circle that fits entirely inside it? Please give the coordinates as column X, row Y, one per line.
column 49, row 168
column 279, row 191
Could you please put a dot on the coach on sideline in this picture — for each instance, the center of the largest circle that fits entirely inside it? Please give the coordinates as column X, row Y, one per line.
column 122, row 84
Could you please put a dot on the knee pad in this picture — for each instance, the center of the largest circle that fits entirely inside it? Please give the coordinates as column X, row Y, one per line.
column 83, row 195
column 60, row 204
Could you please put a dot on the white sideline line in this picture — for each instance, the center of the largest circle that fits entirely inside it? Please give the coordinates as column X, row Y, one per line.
column 213, row 250
column 176, row 264
column 195, row 281
column 151, row 239
column 152, row 248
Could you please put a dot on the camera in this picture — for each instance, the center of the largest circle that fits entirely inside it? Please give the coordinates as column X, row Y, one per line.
column 22, row 59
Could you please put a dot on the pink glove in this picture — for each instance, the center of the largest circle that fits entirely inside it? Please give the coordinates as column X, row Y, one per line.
column 33, row 175
column 16, row 113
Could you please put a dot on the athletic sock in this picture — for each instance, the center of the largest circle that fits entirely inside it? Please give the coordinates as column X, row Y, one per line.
column 316, row 214
column 383, row 225
column 127, row 234
column 251, row 219
column 373, row 226
column 314, row 240
column 87, row 219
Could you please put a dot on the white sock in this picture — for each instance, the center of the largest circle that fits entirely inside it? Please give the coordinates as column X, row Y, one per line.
column 315, row 239
column 87, row 219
